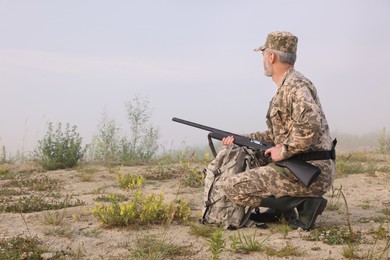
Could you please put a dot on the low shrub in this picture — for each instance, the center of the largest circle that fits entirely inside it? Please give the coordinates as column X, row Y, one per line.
column 141, row 210
column 60, row 148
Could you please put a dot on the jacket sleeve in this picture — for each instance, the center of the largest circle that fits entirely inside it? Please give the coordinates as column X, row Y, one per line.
column 263, row 136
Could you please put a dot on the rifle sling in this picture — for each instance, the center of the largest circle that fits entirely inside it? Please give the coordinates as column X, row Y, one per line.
column 211, row 144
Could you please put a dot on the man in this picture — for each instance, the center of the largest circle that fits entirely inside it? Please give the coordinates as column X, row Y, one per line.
column 296, row 125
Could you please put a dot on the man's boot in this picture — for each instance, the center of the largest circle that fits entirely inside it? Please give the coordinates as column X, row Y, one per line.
column 308, row 212
column 308, row 209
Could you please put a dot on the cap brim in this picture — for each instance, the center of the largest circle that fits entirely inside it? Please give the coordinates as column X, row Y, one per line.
column 261, row 48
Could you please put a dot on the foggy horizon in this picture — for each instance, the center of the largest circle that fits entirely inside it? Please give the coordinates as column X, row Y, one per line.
column 70, row 61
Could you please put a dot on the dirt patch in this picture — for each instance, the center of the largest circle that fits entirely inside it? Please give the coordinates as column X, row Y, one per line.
column 367, row 195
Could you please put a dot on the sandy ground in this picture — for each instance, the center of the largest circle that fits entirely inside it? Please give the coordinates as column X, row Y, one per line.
column 367, row 195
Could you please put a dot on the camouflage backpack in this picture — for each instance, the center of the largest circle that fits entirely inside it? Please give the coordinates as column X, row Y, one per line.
column 217, row 209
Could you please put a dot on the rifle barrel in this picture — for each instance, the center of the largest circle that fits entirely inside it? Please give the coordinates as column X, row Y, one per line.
column 207, row 128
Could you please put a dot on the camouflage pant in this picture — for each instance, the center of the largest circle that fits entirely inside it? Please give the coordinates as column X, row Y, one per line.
column 247, row 188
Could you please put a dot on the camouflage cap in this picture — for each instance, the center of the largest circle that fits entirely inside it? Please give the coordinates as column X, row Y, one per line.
column 280, row 41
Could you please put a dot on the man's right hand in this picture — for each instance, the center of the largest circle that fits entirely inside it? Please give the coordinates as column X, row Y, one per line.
column 228, row 141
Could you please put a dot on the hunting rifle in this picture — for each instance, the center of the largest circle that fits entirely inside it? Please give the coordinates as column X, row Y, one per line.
column 304, row 171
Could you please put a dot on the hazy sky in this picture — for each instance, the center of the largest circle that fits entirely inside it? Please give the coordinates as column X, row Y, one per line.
column 68, row 61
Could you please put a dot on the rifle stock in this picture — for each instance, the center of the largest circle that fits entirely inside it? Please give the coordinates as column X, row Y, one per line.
column 305, row 172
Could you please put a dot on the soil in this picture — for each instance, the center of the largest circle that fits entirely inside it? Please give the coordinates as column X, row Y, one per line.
column 367, row 196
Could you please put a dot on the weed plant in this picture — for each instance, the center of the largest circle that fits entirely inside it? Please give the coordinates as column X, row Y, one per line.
column 35, row 203
column 201, row 230
column 216, row 244
column 287, row 251
column 81, row 215
column 360, row 162
column 85, row 177
column 60, row 231
column 38, row 183
column 193, row 178
column 111, row 198
column 85, row 174
column 245, row 243
column 11, row 192
column 379, row 252
column 386, row 211
column 21, row 248
column 163, row 172
column 187, row 169
column 4, row 170
column 26, row 248
column 284, row 228
column 379, row 219
column 334, row 202
column 333, row 235
column 54, row 217
column 151, row 247
column 95, row 232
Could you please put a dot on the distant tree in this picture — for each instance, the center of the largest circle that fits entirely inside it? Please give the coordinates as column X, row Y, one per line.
column 108, row 145
column 383, row 142
column 142, row 144
column 105, row 145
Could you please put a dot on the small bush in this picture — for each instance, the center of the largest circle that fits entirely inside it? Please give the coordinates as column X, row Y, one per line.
column 192, row 176
column 60, row 148
column 141, row 210
column 129, row 181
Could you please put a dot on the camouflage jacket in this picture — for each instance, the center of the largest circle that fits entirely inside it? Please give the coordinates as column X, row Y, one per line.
column 295, row 117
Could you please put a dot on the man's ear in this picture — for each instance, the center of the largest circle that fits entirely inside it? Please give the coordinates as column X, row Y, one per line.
column 271, row 57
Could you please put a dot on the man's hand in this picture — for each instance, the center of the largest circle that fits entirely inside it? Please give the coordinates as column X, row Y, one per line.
column 275, row 153
column 228, row 141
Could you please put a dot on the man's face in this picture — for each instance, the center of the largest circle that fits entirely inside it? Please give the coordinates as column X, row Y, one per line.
column 268, row 70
